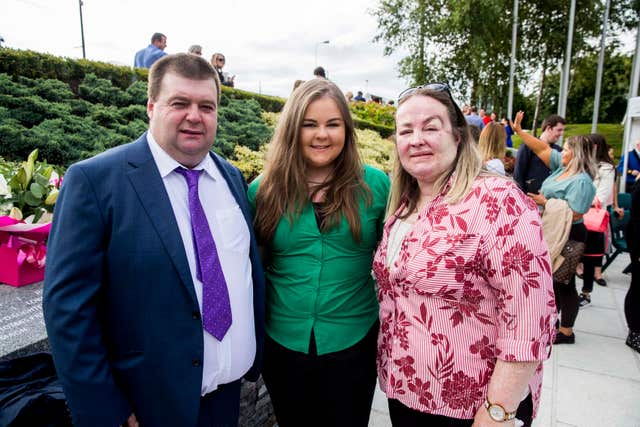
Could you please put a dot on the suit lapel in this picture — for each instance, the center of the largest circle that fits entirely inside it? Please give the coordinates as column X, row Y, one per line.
column 145, row 178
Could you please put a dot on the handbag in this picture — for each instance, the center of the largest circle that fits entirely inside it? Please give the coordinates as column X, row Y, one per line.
column 572, row 253
column 596, row 219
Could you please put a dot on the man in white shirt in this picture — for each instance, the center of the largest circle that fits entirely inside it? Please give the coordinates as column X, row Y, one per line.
column 147, row 324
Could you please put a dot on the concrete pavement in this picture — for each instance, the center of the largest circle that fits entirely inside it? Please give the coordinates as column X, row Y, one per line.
column 592, row 383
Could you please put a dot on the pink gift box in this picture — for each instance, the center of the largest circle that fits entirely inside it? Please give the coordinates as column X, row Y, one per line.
column 22, row 251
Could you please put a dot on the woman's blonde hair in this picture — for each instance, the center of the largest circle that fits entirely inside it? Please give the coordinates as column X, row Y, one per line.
column 283, row 188
column 584, row 156
column 492, row 142
column 462, row 172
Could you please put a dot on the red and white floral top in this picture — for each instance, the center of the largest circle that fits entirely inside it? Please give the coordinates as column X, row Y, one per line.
column 472, row 284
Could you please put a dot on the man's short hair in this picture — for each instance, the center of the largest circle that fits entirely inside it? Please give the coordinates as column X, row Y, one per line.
column 183, row 64
column 157, row 37
column 551, row 121
column 473, row 109
column 195, row 49
column 319, row 71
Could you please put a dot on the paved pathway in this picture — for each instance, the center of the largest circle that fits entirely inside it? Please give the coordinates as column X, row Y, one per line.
column 592, row 383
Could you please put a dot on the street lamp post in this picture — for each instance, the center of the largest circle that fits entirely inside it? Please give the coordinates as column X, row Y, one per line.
column 84, row 55
column 318, row 44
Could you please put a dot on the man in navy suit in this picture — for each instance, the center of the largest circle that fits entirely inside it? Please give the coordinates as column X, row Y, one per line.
column 123, row 301
column 146, row 57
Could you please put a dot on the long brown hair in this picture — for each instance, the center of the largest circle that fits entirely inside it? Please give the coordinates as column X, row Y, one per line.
column 283, row 188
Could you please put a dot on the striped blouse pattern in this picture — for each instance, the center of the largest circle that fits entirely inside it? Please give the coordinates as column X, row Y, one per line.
column 472, row 284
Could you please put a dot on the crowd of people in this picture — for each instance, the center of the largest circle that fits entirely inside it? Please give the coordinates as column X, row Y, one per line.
column 146, row 57
column 169, row 279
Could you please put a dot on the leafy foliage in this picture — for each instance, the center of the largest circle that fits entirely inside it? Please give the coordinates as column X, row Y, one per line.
column 467, row 43
column 45, row 114
column 28, row 188
column 373, row 112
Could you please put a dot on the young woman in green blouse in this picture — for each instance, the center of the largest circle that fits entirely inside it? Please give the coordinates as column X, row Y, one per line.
column 319, row 215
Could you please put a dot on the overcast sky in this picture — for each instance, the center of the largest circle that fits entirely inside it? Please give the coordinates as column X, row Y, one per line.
column 268, row 44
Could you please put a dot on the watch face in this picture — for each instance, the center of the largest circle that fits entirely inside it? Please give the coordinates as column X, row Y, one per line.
column 496, row 412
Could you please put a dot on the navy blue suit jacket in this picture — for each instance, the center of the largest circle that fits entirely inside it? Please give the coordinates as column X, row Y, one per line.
column 119, row 303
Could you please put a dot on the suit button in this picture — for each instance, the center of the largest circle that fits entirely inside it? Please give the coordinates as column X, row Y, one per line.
column 196, row 363
column 195, row 315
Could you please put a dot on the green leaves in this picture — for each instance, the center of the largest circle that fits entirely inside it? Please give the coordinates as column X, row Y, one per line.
column 31, row 188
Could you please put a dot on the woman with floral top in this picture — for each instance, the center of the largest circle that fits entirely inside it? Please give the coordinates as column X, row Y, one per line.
column 571, row 180
column 466, row 304
column 319, row 215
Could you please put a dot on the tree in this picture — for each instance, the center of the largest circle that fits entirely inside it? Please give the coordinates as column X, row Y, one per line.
column 467, row 42
column 613, row 97
column 450, row 41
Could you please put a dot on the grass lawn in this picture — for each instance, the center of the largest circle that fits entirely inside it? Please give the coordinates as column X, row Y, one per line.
column 611, row 131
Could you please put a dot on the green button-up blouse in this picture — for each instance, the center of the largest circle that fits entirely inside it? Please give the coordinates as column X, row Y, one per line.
column 322, row 281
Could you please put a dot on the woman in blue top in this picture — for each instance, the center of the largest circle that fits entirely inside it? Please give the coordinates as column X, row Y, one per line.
column 572, row 173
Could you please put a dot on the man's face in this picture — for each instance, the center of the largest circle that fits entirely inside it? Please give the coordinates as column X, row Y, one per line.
column 162, row 44
column 184, row 118
column 555, row 133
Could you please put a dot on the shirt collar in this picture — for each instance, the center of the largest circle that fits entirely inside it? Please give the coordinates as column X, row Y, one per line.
column 167, row 164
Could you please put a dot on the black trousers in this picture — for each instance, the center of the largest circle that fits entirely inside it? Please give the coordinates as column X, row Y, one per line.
column 334, row 389
column 567, row 301
column 595, row 245
column 403, row 416
column 221, row 407
column 632, row 300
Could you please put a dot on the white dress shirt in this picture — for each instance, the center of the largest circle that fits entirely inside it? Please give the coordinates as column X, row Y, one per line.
column 227, row 360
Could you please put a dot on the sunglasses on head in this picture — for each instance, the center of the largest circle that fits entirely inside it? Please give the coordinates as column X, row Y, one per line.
column 437, row 87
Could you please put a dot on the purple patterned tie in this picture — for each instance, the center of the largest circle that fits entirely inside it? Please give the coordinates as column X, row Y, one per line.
column 216, row 309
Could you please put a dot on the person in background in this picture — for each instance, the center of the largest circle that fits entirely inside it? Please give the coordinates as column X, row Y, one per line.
column 492, row 147
column 483, row 115
column 508, row 130
column 319, row 214
column 596, row 241
column 349, row 96
column 218, row 61
column 633, row 167
column 319, row 73
column 466, row 313
column 632, row 299
column 153, row 296
column 530, row 170
column 473, row 118
column 475, row 132
column 359, row 97
column 146, row 57
column 195, row 49
column 571, row 180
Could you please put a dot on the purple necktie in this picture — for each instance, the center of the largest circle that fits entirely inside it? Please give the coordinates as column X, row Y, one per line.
column 216, row 309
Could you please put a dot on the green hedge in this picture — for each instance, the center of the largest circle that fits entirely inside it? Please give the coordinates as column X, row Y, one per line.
column 384, row 131
column 36, row 65
column 65, row 128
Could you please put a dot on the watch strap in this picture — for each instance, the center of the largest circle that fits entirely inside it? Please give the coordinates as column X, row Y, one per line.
column 508, row 416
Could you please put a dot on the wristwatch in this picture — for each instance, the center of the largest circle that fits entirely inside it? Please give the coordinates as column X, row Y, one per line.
column 497, row 412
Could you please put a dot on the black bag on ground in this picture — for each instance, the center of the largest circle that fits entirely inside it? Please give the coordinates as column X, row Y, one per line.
column 30, row 393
